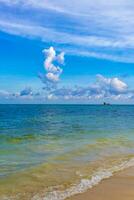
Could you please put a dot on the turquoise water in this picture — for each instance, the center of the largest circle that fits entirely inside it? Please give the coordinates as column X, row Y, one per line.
column 62, row 143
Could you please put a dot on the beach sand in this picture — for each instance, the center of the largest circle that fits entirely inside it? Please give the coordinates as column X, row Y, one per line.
column 118, row 187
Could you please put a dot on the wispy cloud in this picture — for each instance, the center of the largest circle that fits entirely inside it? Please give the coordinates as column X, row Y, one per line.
column 97, row 28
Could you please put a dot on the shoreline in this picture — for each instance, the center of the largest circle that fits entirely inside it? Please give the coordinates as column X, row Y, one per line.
column 100, row 187
column 118, row 187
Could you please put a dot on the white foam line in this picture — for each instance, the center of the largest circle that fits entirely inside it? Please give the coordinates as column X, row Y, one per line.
column 86, row 184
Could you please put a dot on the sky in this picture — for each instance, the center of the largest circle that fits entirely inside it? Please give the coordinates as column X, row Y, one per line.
column 67, row 51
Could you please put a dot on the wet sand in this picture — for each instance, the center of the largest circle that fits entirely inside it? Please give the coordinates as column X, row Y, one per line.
column 118, row 187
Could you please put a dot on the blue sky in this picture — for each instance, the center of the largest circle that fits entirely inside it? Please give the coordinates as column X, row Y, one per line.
column 88, row 51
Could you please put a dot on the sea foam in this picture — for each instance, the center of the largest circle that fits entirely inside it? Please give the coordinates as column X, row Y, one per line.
column 86, row 184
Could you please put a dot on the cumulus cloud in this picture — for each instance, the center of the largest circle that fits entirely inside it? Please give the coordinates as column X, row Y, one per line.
column 25, row 94
column 53, row 71
column 102, row 88
column 52, row 77
column 61, row 58
column 113, row 85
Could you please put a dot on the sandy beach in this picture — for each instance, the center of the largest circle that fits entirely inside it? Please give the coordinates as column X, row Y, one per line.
column 118, row 187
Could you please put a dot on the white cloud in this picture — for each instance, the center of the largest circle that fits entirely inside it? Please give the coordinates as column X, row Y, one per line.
column 53, row 71
column 52, row 77
column 93, row 28
column 60, row 58
column 118, row 85
column 100, row 55
column 50, row 58
column 103, row 89
column 112, row 84
column 42, row 4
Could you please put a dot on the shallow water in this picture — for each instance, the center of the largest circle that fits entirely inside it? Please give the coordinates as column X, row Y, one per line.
column 47, row 148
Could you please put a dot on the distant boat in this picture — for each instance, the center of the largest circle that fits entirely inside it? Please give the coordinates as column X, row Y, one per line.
column 106, row 104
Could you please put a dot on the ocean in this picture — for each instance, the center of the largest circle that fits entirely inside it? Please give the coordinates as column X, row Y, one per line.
column 50, row 152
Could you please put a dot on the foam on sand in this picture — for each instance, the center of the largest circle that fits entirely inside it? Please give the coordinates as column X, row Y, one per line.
column 86, row 184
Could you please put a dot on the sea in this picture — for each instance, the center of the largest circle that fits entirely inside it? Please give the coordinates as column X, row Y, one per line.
column 51, row 152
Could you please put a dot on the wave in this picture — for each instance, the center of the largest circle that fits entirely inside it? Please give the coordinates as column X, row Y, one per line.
column 86, row 184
